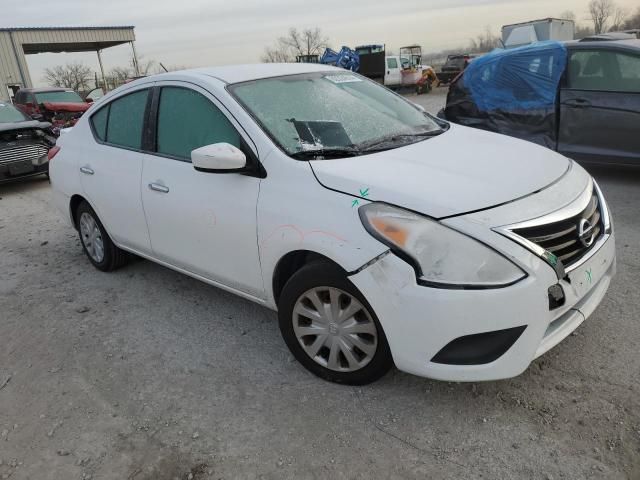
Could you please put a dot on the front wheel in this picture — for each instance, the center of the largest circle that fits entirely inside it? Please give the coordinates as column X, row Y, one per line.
column 330, row 328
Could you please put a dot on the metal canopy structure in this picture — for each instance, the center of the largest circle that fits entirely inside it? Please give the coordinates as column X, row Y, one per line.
column 16, row 43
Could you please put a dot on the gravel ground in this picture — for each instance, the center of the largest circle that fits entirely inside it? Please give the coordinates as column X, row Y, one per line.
column 146, row 374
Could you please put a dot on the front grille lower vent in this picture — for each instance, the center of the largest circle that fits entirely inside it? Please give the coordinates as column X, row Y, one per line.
column 22, row 152
column 569, row 239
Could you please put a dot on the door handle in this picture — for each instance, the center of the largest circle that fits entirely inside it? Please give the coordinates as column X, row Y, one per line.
column 156, row 187
column 87, row 170
column 578, row 103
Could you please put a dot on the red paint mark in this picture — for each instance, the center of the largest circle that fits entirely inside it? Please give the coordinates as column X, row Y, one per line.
column 302, row 234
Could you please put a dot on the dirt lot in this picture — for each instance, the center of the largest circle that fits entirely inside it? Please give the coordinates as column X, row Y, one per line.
column 147, row 374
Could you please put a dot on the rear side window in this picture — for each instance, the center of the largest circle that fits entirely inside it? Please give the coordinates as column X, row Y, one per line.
column 188, row 120
column 605, row 71
column 125, row 120
column 99, row 122
column 392, row 63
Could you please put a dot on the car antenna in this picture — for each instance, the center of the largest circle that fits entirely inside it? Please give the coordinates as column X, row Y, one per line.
column 163, row 67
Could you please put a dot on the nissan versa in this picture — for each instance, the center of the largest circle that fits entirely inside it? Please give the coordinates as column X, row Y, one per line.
column 379, row 233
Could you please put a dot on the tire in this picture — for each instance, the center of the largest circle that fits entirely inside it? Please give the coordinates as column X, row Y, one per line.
column 96, row 243
column 339, row 356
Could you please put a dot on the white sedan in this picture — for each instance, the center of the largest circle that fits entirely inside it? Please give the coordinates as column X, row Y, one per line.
column 380, row 234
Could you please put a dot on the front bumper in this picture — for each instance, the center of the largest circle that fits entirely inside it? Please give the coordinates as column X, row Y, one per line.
column 419, row 321
column 8, row 174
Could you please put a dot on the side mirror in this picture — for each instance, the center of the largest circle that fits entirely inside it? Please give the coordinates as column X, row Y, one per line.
column 218, row 158
column 89, row 100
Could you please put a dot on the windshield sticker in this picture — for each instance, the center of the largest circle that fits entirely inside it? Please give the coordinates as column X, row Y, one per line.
column 343, row 78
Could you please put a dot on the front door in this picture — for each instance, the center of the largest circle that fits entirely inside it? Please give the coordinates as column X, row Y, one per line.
column 393, row 75
column 600, row 107
column 204, row 223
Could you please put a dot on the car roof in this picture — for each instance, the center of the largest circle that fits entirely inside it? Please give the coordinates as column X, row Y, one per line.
column 244, row 73
column 631, row 44
column 609, row 36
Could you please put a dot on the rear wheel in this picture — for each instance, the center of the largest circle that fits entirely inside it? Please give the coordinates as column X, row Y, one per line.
column 96, row 243
column 330, row 327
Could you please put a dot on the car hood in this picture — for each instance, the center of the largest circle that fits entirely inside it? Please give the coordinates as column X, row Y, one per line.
column 459, row 171
column 7, row 127
column 66, row 106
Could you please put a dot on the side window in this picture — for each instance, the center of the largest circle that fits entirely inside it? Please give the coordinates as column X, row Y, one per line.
column 604, row 70
column 99, row 122
column 18, row 97
column 188, row 120
column 392, row 63
column 629, row 72
column 126, row 119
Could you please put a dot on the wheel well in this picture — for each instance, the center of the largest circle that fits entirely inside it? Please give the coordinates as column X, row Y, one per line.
column 76, row 200
column 290, row 264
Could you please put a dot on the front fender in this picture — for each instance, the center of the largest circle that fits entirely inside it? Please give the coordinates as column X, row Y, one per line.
column 296, row 213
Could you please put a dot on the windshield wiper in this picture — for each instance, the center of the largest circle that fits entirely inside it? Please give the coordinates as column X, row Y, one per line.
column 375, row 144
column 320, row 153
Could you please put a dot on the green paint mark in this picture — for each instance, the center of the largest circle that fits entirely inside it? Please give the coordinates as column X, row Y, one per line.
column 551, row 258
column 589, row 276
column 355, row 203
column 364, row 193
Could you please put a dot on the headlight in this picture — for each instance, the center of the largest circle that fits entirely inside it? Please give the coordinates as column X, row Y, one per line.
column 441, row 256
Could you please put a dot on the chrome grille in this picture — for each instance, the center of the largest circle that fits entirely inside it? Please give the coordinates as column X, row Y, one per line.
column 563, row 238
column 17, row 153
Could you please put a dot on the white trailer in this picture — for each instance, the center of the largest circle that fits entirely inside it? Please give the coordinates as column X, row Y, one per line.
column 520, row 34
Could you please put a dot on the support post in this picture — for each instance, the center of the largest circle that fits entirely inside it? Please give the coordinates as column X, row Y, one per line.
column 136, row 67
column 104, row 80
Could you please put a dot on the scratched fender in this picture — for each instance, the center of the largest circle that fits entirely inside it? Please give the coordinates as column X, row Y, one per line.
column 318, row 220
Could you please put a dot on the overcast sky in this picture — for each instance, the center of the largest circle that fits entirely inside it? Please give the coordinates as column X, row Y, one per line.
column 216, row 32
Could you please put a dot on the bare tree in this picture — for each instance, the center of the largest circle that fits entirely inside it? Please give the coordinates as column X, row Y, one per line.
column 601, row 11
column 307, row 42
column 119, row 74
column 145, row 67
column 620, row 16
column 583, row 31
column 72, row 75
column 568, row 15
column 484, row 42
column 279, row 53
column 633, row 21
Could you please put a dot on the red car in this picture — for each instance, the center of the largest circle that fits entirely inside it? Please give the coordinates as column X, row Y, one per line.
column 60, row 106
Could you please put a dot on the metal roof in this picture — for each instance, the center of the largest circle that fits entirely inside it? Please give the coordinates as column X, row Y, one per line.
column 68, row 39
column 109, row 27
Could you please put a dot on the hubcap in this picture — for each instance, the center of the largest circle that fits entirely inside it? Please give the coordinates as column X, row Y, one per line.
column 335, row 329
column 91, row 237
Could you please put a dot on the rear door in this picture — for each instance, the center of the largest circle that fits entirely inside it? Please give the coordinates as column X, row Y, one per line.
column 600, row 106
column 111, row 168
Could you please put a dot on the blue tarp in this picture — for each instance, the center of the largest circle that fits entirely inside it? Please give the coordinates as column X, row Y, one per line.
column 519, row 79
column 345, row 58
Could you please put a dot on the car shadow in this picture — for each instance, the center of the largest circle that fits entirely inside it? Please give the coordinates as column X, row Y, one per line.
column 20, row 184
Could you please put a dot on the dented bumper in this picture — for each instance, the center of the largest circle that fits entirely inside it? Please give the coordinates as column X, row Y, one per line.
column 419, row 322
